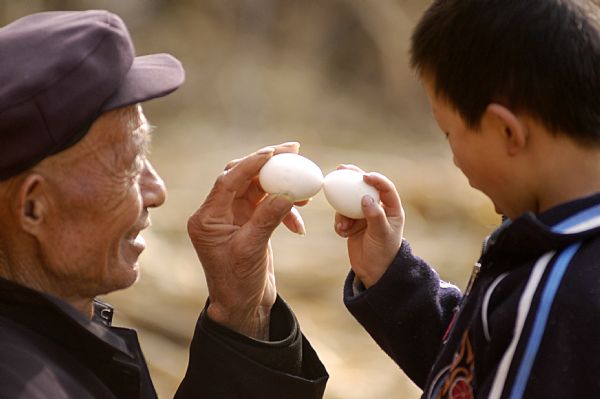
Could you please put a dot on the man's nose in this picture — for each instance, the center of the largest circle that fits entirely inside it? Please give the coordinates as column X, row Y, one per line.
column 152, row 187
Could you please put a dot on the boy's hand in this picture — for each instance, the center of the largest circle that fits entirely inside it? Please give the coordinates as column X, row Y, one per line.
column 373, row 242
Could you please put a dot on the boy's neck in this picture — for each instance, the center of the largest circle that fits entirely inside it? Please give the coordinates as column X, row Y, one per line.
column 565, row 171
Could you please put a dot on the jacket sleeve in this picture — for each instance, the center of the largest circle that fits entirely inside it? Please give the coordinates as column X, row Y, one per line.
column 226, row 365
column 407, row 312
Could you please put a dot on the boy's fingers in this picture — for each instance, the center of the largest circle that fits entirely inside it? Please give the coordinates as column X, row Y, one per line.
column 377, row 222
column 343, row 225
column 387, row 191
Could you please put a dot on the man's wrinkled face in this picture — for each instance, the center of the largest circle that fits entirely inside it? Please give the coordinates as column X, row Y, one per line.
column 103, row 186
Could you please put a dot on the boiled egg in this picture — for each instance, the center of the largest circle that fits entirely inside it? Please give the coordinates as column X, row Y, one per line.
column 291, row 174
column 344, row 189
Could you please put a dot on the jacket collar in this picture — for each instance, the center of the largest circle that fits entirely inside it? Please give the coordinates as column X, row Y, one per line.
column 531, row 235
column 51, row 317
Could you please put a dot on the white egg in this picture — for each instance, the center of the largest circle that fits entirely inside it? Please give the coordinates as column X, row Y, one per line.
column 291, row 174
column 344, row 189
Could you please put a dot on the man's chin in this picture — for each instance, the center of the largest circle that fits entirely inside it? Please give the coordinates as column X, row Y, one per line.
column 125, row 277
column 132, row 276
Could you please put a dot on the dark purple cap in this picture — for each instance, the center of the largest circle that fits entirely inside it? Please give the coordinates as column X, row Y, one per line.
column 59, row 71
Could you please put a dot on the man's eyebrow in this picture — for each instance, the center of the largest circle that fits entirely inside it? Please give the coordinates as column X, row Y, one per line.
column 149, row 129
column 146, row 130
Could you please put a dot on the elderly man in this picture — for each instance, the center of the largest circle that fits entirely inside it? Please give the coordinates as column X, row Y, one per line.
column 76, row 187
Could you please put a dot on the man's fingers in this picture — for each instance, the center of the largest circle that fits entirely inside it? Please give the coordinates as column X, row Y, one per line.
column 232, row 163
column 293, row 221
column 267, row 216
column 254, row 193
column 350, row 167
column 248, row 172
column 236, row 180
column 239, row 177
column 290, row 146
column 303, row 202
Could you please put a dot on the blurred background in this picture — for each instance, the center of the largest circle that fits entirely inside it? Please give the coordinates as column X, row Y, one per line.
column 331, row 74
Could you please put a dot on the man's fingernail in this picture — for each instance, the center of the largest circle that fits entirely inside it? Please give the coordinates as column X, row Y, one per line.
column 341, row 228
column 291, row 144
column 300, row 227
column 298, row 222
column 265, row 151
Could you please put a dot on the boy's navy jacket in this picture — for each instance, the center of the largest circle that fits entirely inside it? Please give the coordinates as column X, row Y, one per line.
column 528, row 328
column 50, row 350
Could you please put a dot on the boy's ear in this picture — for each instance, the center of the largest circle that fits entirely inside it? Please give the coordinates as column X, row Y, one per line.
column 511, row 128
column 32, row 203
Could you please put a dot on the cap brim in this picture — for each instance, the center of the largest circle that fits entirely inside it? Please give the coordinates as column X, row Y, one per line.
column 150, row 76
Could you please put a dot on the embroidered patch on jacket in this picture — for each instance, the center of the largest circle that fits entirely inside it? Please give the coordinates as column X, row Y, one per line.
column 459, row 379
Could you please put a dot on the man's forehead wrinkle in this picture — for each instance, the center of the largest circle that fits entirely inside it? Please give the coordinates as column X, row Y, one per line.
column 110, row 147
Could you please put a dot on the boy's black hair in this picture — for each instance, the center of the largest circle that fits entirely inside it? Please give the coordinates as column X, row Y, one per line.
column 541, row 57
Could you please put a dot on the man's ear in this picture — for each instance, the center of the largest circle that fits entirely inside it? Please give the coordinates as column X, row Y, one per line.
column 32, row 203
column 509, row 125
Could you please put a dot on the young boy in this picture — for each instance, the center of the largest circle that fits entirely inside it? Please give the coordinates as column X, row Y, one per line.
column 515, row 87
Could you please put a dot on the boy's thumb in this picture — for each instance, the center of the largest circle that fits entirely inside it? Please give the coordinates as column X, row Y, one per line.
column 377, row 223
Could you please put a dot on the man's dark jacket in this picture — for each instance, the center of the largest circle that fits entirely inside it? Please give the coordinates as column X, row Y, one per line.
column 49, row 350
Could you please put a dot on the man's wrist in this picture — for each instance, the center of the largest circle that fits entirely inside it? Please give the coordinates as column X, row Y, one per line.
column 253, row 323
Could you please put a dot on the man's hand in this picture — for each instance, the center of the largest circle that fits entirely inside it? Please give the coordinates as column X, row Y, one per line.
column 231, row 234
column 373, row 242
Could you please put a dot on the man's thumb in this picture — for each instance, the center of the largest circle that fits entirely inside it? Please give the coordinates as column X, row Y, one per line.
column 268, row 215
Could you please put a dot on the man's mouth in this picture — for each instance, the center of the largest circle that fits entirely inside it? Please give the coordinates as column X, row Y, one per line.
column 139, row 242
column 137, row 228
column 135, row 237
